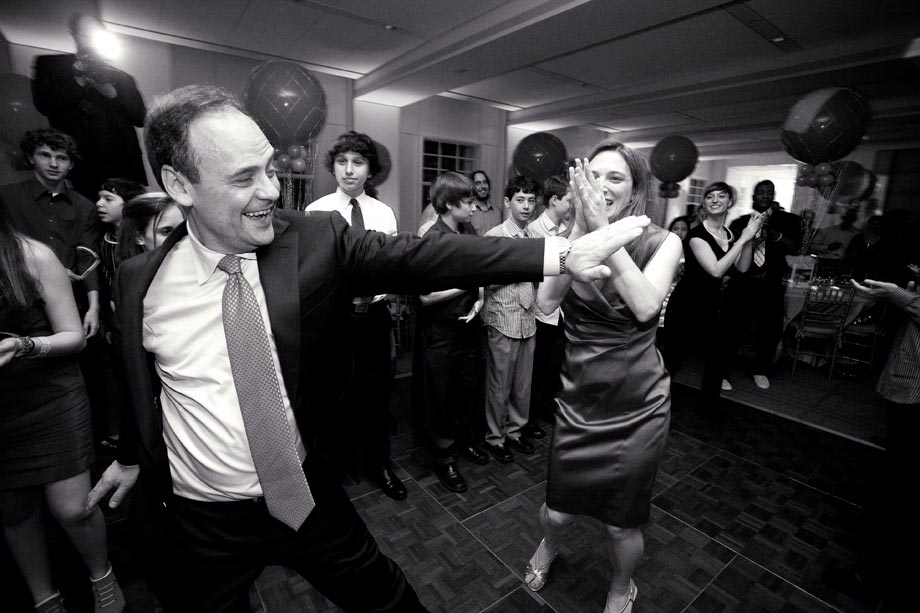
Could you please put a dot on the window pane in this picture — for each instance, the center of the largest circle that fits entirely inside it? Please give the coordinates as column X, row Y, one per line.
column 448, row 149
column 431, row 146
column 430, row 161
column 429, row 175
column 449, row 163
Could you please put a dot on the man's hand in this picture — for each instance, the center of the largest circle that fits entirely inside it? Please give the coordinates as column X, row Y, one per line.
column 116, row 477
column 477, row 306
column 91, row 322
column 585, row 261
column 879, row 289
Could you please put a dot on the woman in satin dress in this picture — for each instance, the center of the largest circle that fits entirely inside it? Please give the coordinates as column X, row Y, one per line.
column 614, row 408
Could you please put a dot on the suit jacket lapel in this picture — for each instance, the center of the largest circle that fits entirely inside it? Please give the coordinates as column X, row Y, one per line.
column 278, row 273
column 150, row 422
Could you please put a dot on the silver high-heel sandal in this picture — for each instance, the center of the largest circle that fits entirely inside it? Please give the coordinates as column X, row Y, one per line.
column 631, row 597
column 535, row 578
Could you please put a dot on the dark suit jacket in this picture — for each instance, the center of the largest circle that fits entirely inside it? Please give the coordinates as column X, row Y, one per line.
column 103, row 128
column 310, row 273
column 775, row 267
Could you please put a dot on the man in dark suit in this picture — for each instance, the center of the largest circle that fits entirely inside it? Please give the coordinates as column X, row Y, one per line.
column 756, row 296
column 229, row 332
column 94, row 102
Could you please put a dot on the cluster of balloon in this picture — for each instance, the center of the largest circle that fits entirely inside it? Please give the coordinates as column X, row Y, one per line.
column 814, row 176
column 539, row 156
column 669, row 189
column 823, row 126
column 672, row 160
column 293, row 158
column 289, row 105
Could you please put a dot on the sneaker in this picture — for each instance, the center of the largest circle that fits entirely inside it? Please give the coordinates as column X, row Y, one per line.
column 762, row 382
column 726, row 386
column 107, row 593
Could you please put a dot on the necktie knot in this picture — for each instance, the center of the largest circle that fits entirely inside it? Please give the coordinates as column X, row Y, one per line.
column 230, row 264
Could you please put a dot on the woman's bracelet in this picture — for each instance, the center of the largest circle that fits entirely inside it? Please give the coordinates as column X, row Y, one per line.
column 45, row 346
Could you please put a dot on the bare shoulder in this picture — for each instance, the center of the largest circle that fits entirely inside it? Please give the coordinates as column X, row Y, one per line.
column 37, row 253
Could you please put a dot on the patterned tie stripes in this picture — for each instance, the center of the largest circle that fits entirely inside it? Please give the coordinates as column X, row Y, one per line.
column 271, row 442
column 357, row 217
column 760, row 252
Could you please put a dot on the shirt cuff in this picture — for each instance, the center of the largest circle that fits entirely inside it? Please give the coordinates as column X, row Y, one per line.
column 553, row 247
column 899, row 297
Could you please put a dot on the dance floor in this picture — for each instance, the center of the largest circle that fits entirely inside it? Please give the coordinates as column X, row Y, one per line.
column 749, row 508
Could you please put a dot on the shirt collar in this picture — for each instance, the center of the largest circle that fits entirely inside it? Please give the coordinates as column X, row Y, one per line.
column 513, row 230
column 443, row 227
column 345, row 199
column 205, row 260
column 483, row 206
column 38, row 190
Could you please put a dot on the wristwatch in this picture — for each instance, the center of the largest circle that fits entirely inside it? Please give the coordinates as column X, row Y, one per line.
column 27, row 345
column 562, row 256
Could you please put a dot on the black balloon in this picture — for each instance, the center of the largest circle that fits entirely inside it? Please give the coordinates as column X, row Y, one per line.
column 853, row 181
column 825, row 125
column 539, row 156
column 673, row 159
column 287, row 101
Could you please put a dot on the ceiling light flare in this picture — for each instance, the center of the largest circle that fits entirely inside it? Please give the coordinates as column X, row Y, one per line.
column 106, row 44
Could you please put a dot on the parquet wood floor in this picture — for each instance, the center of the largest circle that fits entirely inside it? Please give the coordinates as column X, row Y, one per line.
column 749, row 508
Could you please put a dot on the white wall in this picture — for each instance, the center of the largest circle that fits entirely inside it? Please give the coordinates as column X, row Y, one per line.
column 381, row 123
column 453, row 120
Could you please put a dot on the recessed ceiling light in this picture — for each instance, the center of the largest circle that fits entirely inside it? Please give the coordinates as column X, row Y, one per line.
column 778, row 39
column 389, row 26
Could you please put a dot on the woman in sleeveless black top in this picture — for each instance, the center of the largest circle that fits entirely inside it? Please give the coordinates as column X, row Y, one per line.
column 614, row 408
column 46, row 445
column 710, row 253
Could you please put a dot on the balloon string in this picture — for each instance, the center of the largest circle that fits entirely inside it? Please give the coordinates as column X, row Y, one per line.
column 808, row 220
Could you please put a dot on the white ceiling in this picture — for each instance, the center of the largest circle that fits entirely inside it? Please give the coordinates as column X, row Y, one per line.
column 707, row 69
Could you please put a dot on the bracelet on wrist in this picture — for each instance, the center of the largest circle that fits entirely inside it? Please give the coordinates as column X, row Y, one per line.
column 26, row 346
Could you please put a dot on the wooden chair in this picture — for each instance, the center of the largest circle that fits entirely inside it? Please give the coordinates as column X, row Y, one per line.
column 861, row 339
column 822, row 320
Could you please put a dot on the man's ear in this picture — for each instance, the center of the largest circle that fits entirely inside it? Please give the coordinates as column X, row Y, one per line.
column 177, row 186
column 553, row 201
column 507, row 203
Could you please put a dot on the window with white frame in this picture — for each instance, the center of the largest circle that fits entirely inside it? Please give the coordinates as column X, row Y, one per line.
column 441, row 156
column 695, row 192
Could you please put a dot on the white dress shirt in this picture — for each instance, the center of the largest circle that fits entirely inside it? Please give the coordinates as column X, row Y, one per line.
column 208, row 450
column 377, row 216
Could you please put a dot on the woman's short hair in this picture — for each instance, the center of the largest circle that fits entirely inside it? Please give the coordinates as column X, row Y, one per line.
column 638, row 168
column 450, row 188
column 721, row 186
column 356, row 142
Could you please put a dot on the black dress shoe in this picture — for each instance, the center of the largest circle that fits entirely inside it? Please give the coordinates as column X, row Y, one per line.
column 501, row 453
column 390, row 484
column 474, row 454
column 520, row 444
column 532, row 430
column 450, row 477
